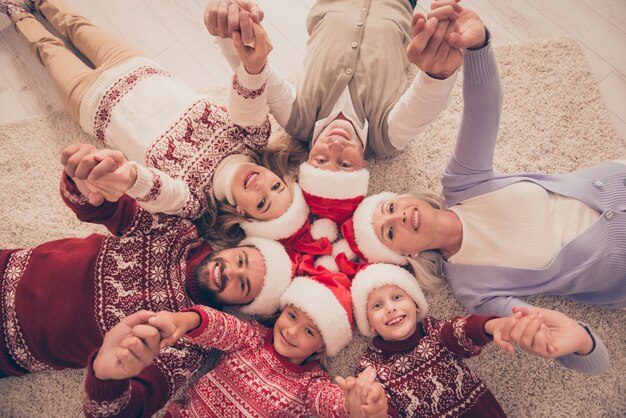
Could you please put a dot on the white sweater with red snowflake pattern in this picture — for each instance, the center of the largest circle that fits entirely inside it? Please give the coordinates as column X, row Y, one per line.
column 179, row 136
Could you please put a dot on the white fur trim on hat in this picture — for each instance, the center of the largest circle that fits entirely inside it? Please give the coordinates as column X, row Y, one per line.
column 328, row 262
column 365, row 236
column 321, row 305
column 333, row 184
column 285, row 225
column 342, row 246
column 378, row 275
column 324, row 227
column 277, row 276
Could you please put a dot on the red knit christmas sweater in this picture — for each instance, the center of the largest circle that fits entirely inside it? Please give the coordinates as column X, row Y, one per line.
column 250, row 380
column 424, row 375
column 59, row 299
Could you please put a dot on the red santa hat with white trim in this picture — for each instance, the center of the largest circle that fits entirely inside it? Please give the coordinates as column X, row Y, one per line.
column 376, row 276
column 333, row 194
column 327, row 301
column 279, row 270
column 361, row 236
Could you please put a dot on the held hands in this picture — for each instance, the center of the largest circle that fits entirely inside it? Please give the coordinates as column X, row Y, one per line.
column 173, row 325
column 542, row 332
column 365, row 397
column 222, row 18
column 127, row 348
column 253, row 54
column 99, row 174
column 438, row 38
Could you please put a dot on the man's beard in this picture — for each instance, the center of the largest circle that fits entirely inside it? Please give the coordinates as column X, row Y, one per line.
column 202, row 277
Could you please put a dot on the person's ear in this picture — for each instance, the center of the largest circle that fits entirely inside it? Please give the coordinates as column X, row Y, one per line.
column 321, row 348
column 240, row 211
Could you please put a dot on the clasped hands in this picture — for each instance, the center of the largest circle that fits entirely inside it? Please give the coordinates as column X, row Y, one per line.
column 100, row 175
column 543, row 332
column 132, row 344
column 439, row 37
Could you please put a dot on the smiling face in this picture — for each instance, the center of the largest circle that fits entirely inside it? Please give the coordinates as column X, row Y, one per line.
column 233, row 276
column 392, row 313
column 337, row 148
column 259, row 193
column 405, row 224
column 296, row 336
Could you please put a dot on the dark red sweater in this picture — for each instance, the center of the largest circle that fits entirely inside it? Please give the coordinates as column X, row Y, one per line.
column 424, row 375
column 60, row 298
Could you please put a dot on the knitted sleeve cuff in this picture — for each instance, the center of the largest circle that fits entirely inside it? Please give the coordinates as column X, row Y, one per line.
column 112, row 395
column 475, row 329
column 251, row 82
column 480, row 65
column 143, row 184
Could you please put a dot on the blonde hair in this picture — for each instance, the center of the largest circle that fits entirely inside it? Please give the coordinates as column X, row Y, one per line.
column 222, row 223
column 427, row 266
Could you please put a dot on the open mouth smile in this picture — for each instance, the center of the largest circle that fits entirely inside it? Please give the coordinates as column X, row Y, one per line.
column 415, row 219
column 250, row 179
column 395, row 321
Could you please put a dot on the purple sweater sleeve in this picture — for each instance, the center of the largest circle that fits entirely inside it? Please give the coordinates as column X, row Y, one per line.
column 476, row 139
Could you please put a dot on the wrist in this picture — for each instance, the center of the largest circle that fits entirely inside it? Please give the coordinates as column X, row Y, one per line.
column 255, row 70
column 134, row 174
column 192, row 320
column 587, row 344
column 483, row 42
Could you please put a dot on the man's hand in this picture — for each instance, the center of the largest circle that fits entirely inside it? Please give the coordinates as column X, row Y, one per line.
column 253, row 57
column 78, row 160
column 127, row 348
column 221, row 18
column 568, row 336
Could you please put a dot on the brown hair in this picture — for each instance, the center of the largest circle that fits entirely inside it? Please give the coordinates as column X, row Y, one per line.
column 270, row 320
column 222, row 223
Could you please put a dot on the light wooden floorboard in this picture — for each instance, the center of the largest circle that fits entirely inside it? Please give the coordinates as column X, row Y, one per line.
column 173, row 33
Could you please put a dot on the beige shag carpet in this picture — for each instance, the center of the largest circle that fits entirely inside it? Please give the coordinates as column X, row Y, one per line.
column 554, row 120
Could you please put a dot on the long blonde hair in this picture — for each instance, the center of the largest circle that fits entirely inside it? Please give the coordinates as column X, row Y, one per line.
column 427, row 266
column 222, row 223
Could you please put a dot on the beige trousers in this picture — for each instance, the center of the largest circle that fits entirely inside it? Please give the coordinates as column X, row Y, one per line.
column 71, row 76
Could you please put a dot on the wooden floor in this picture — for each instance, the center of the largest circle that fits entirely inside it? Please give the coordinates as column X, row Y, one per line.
column 172, row 32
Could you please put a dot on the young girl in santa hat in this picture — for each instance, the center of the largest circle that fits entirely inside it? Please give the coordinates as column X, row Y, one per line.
column 418, row 359
column 265, row 372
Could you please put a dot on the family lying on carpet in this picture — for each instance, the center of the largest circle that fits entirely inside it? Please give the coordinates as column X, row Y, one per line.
column 180, row 171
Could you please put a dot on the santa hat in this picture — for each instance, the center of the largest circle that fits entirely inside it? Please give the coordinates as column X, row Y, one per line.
column 326, row 300
column 332, row 194
column 286, row 225
column 361, row 236
column 278, row 274
column 330, row 261
column 378, row 275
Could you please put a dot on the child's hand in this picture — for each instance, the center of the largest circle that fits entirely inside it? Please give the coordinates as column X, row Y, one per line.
column 363, row 394
column 173, row 325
